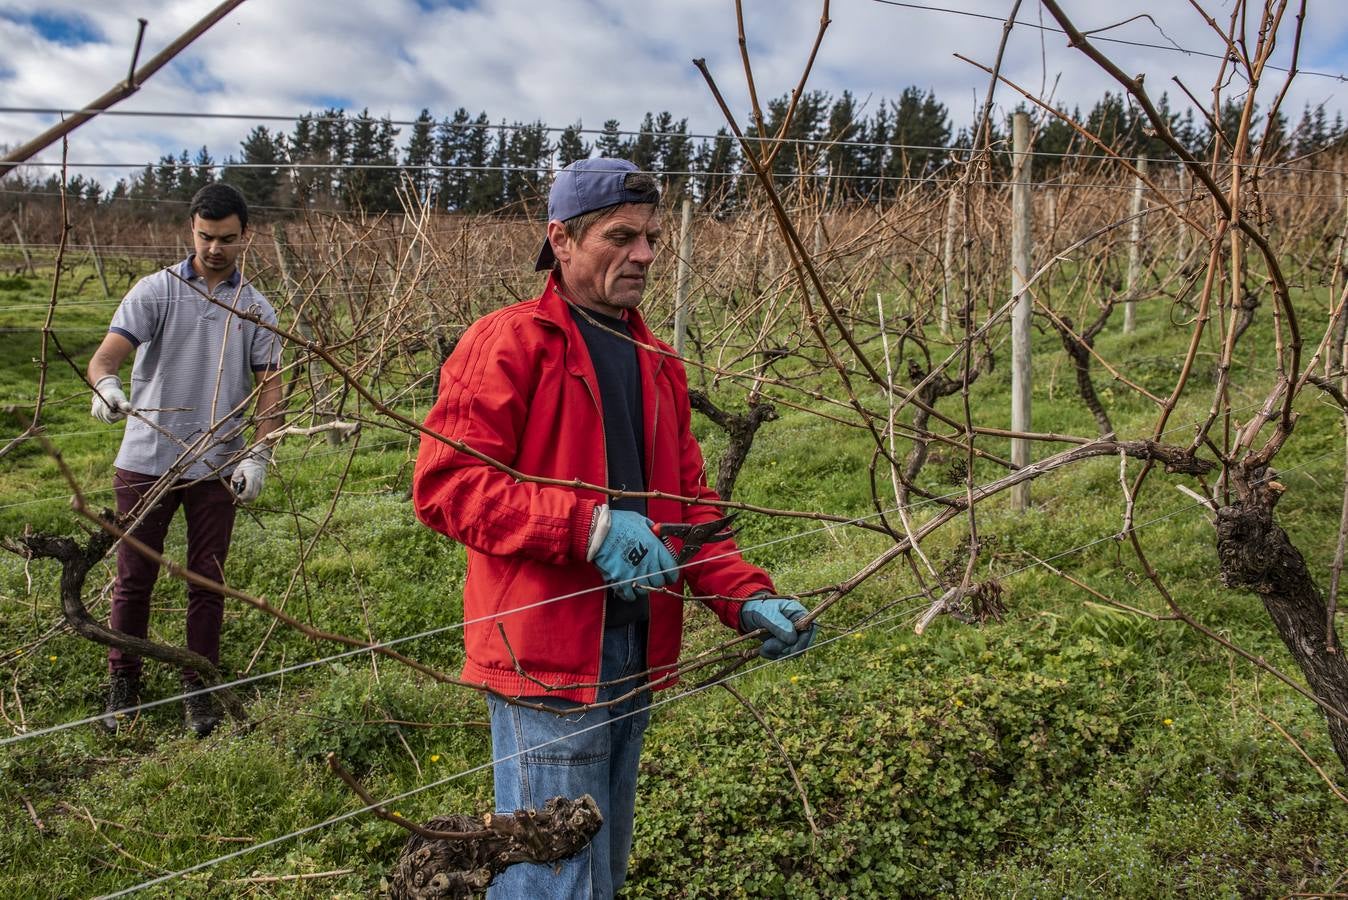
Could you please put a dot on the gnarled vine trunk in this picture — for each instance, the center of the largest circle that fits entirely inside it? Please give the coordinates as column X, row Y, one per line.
column 1256, row 554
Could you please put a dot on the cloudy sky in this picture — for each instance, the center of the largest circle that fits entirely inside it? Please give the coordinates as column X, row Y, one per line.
column 582, row 60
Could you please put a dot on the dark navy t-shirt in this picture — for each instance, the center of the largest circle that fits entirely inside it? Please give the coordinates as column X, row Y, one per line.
column 615, row 364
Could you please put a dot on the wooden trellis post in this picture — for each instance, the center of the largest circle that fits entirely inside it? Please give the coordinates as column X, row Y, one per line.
column 682, row 276
column 1182, row 240
column 948, row 256
column 1134, row 247
column 1020, row 313
column 23, row 244
column 98, row 261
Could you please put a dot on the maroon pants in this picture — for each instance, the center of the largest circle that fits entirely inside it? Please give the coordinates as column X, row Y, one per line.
column 209, row 507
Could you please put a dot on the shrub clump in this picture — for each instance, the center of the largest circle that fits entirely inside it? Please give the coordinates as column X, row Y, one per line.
column 917, row 763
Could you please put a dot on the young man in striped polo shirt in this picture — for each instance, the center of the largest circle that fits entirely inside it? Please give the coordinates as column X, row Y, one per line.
column 197, row 367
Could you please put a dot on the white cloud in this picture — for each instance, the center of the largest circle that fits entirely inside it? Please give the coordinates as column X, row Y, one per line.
column 587, row 60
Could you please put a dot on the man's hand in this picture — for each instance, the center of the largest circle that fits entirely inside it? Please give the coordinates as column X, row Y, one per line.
column 249, row 475
column 110, row 403
column 632, row 558
column 778, row 615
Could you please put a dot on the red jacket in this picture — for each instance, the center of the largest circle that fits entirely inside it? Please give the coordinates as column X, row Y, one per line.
column 520, row 388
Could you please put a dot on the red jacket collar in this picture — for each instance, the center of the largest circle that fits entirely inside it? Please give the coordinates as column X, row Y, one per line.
column 553, row 307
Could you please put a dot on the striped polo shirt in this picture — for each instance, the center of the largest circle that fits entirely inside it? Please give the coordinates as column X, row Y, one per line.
column 196, row 365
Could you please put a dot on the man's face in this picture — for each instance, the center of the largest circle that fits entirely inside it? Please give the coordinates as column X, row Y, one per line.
column 606, row 269
column 218, row 243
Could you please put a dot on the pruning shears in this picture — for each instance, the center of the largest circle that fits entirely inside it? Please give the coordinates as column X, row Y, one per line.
column 694, row 536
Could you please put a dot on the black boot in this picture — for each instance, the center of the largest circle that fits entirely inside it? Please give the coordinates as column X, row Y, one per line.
column 123, row 693
column 199, row 711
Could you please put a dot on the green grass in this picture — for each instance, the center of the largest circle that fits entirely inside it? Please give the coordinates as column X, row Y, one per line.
column 1071, row 750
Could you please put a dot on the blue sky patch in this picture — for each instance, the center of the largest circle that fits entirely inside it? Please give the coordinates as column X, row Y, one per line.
column 66, row 30
column 433, row 5
column 197, row 76
column 316, row 103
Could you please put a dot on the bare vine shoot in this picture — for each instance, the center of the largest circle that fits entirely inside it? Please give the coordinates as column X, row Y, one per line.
column 1104, row 382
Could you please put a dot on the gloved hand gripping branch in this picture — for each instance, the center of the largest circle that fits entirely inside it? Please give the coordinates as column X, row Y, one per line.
column 250, row 474
column 110, row 403
column 778, row 615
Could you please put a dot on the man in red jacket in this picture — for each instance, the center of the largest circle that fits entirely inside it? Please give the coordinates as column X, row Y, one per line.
column 571, row 601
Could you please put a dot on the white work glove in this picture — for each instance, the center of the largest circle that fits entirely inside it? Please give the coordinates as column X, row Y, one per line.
column 110, row 403
column 250, row 474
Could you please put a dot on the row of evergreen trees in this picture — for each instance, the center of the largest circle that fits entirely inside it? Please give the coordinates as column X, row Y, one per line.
column 332, row 160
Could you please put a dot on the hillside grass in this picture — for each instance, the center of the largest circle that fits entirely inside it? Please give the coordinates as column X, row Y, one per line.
column 1070, row 750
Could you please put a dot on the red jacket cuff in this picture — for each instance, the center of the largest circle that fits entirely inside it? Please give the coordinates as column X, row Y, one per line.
column 745, row 593
column 581, row 523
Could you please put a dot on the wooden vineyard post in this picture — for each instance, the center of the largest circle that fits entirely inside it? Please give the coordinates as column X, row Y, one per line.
column 1182, row 239
column 1134, row 248
column 1335, row 356
column 98, row 260
column 682, row 276
column 1020, row 313
column 948, row 256
column 23, row 245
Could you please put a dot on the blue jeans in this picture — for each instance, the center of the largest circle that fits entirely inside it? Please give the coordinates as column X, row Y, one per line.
column 593, row 752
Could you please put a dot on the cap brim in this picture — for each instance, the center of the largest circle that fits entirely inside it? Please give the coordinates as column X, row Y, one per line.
column 545, row 257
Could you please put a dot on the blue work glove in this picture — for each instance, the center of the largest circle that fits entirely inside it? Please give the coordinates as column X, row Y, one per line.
column 778, row 615
column 632, row 558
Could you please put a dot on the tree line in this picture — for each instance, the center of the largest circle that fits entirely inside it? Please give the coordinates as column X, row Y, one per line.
column 334, row 160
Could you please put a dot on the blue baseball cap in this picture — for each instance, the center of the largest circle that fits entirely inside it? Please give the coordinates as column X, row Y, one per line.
column 585, row 186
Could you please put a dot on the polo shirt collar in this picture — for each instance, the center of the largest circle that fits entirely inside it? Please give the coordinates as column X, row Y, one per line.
column 188, row 273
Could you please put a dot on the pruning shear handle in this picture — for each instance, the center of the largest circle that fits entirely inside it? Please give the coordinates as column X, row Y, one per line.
column 694, row 536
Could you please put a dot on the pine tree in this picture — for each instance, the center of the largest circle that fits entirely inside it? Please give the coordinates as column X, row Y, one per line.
column 264, row 154
column 175, row 177
column 716, row 162
column 1053, row 141
column 418, row 158
column 303, row 183
column 488, row 189
column 1109, row 121
column 872, row 157
column 203, row 171
column 919, row 137
column 841, row 159
column 1311, row 133
column 673, row 152
column 571, row 146
column 641, row 149
column 1273, row 141
column 356, row 192
column 145, row 186
column 384, row 178
column 331, row 149
column 482, row 191
column 450, row 157
column 798, row 153
column 1187, row 132
column 452, row 138
column 372, row 181
column 610, row 142
column 527, row 155
column 1228, row 122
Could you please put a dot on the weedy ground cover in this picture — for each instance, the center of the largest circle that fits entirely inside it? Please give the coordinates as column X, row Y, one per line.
column 1072, row 749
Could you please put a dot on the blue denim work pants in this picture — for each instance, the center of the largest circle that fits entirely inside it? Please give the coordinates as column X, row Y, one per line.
column 541, row 755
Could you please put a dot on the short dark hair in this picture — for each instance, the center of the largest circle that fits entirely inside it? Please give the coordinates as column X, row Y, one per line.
column 640, row 182
column 219, row 201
